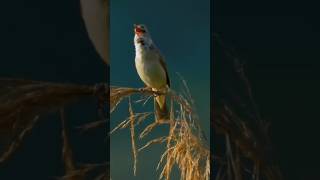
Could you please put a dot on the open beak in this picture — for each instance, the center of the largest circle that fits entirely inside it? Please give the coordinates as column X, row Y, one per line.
column 138, row 30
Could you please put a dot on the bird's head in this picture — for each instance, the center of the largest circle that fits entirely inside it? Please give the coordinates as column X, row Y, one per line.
column 142, row 36
column 140, row 30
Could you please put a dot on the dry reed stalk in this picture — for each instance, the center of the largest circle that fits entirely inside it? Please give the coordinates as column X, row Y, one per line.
column 184, row 146
column 244, row 145
column 133, row 142
column 117, row 94
column 17, row 141
column 246, row 150
column 88, row 171
column 186, row 149
column 93, row 125
column 22, row 102
column 67, row 154
column 124, row 124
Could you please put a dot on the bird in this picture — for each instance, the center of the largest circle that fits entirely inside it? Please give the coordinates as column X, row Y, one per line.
column 151, row 68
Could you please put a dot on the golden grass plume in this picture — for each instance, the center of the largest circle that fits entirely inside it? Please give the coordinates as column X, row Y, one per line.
column 185, row 146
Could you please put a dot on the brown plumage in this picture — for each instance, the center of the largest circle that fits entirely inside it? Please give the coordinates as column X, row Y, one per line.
column 162, row 112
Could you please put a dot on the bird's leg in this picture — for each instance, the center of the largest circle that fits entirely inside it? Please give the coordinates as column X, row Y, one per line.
column 148, row 89
column 160, row 92
column 145, row 89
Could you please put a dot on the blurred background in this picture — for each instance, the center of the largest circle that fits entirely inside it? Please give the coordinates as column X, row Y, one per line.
column 279, row 43
column 181, row 30
column 47, row 41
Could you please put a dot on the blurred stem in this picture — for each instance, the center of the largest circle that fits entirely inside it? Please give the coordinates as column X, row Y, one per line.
column 66, row 149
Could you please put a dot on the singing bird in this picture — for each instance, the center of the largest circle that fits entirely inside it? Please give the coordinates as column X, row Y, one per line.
column 151, row 68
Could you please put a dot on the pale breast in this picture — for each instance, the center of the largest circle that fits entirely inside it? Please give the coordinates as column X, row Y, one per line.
column 150, row 70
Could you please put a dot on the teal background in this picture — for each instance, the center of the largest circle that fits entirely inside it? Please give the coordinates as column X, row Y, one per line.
column 181, row 30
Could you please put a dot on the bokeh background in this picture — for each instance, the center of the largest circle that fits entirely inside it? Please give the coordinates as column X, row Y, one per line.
column 47, row 41
column 181, row 30
column 279, row 43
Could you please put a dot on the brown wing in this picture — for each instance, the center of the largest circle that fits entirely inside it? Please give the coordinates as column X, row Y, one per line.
column 163, row 64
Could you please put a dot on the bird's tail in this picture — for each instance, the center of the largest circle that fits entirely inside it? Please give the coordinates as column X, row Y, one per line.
column 161, row 110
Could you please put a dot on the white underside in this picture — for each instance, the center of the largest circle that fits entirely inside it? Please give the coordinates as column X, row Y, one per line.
column 150, row 70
